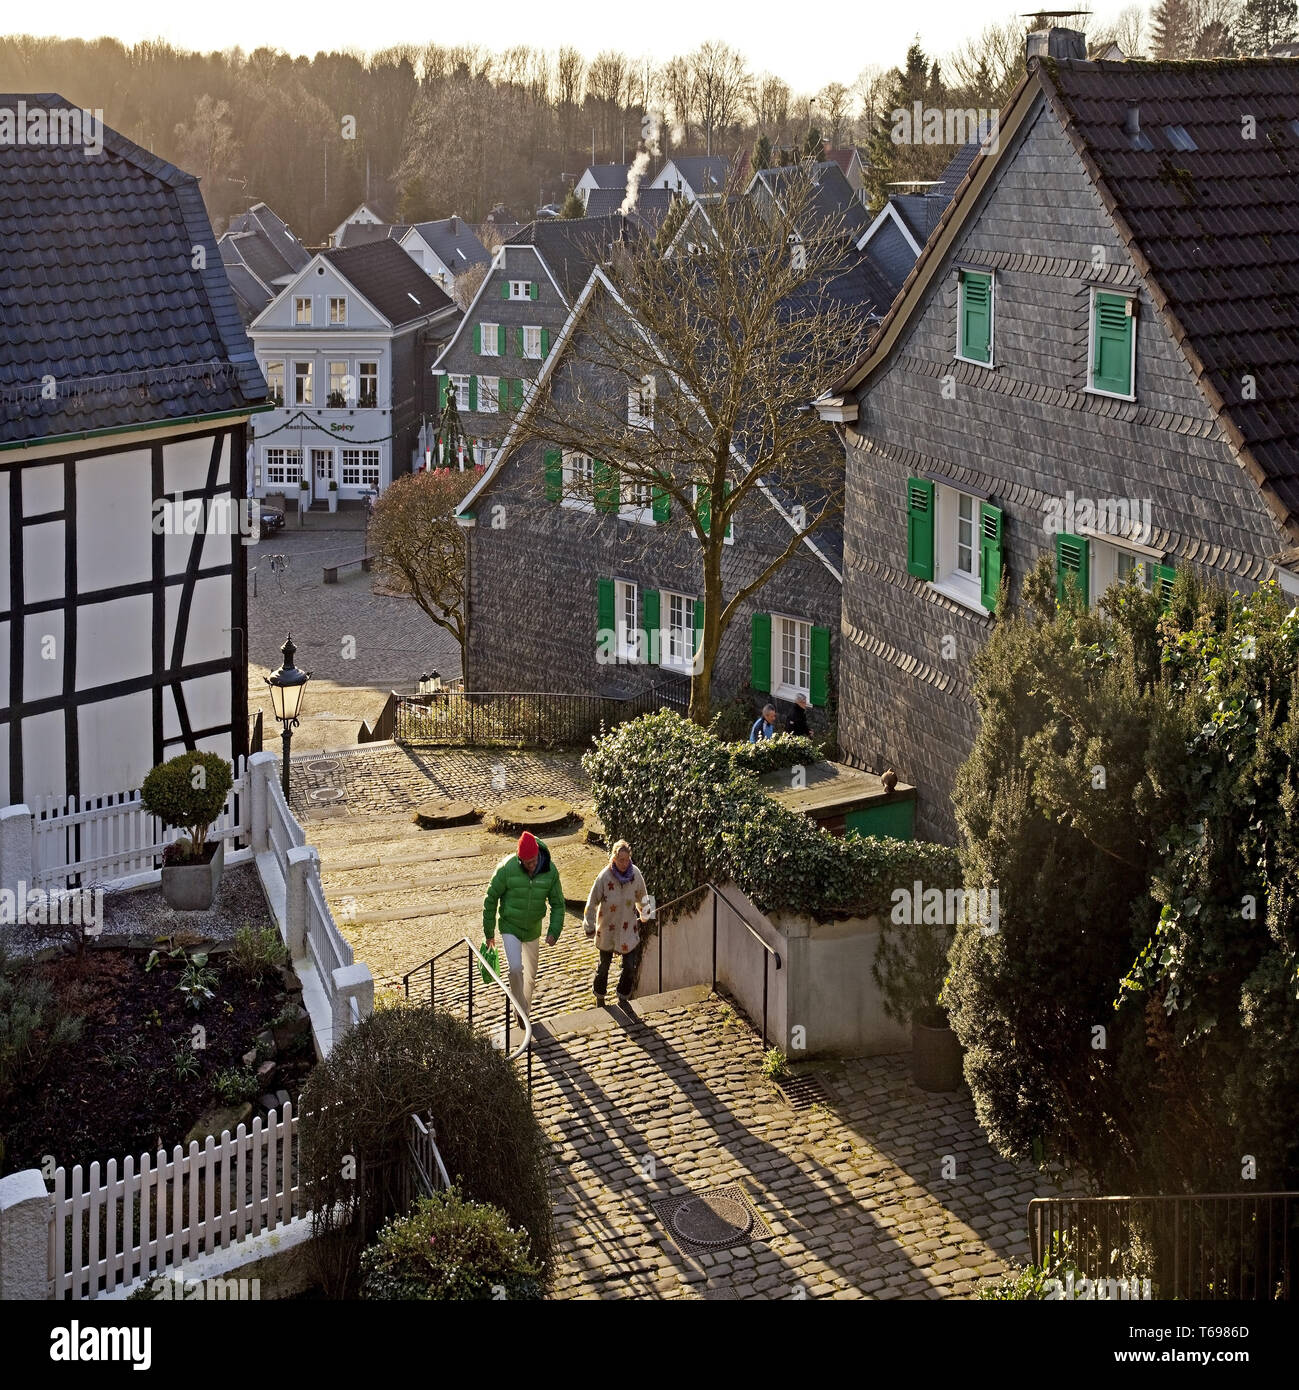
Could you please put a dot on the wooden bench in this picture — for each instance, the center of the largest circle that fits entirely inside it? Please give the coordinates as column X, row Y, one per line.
column 331, row 571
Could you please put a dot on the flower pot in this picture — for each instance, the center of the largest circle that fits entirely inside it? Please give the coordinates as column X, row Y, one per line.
column 935, row 1058
column 333, row 501
column 192, row 887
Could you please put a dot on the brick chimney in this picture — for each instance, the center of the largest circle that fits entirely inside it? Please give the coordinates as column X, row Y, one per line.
column 1060, row 44
column 453, row 224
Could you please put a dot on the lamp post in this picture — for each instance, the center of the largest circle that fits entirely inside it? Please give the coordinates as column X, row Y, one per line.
column 287, row 686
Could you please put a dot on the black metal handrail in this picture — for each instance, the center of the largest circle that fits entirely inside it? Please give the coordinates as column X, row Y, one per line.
column 512, row 1005
column 1210, row 1245
column 770, row 951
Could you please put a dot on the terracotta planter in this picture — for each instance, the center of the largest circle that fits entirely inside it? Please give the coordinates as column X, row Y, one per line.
column 192, row 887
column 935, row 1058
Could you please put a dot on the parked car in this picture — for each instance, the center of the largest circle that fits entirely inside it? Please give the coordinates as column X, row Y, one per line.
column 550, row 210
column 270, row 520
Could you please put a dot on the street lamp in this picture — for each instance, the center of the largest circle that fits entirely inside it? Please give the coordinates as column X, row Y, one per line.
column 288, row 685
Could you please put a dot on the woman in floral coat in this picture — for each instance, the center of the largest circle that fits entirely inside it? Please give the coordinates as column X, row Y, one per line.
column 615, row 908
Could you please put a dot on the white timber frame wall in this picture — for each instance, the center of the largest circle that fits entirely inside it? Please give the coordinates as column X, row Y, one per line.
column 119, row 646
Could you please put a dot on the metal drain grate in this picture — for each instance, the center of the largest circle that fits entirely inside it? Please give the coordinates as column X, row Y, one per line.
column 325, row 794
column 323, row 765
column 803, row 1091
column 718, row 1219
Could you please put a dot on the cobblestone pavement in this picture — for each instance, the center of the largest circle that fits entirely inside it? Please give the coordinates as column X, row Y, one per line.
column 853, row 1192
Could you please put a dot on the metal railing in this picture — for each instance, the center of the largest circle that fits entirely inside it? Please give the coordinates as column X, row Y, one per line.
column 527, row 718
column 770, row 953
column 425, row 1171
column 475, row 961
column 1218, row 1245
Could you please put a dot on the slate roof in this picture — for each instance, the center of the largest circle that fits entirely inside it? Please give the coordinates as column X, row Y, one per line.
column 832, row 201
column 571, row 247
column 704, row 173
column 454, row 242
column 652, row 204
column 608, row 175
column 1215, row 228
column 367, row 233
column 390, row 280
column 260, row 224
column 98, row 291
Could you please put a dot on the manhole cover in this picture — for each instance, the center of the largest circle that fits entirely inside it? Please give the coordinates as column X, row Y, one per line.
column 803, row 1091
column 323, row 765
column 714, row 1220
column 321, row 794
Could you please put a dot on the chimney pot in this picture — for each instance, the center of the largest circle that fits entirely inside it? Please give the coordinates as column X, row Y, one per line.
column 1061, row 44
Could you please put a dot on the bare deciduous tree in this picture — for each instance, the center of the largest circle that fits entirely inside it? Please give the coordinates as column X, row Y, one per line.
column 688, row 378
column 722, row 84
column 834, row 106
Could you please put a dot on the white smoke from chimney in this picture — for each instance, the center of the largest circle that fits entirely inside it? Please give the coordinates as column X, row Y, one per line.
column 637, row 172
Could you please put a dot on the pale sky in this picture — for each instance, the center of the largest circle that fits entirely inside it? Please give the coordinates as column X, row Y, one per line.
column 807, row 45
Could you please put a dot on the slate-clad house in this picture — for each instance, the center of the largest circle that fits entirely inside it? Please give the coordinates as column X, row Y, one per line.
column 697, row 176
column 342, row 348
column 563, row 557
column 126, row 386
column 444, row 249
column 508, row 330
column 1096, row 358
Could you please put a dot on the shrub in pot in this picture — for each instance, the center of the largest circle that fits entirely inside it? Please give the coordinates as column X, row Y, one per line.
column 910, row 968
column 333, row 494
column 188, row 792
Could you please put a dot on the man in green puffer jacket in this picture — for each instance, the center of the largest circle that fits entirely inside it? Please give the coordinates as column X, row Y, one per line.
column 520, row 888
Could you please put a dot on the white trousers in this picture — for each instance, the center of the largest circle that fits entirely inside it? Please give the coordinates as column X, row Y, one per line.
column 522, row 957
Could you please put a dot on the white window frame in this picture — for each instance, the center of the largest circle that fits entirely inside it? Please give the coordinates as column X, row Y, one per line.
column 629, row 509
column 319, row 456
column 1088, row 388
column 626, row 619
column 459, row 383
column 669, row 662
column 948, row 579
column 489, row 395
column 270, row 385
column 639, row 417
column 531, row 340
column 1104, row 563
column 992, row 319
column 309, row 378
column 486, row 332
column 520, row 289
column 802, row 634
column 298, row 301
column 361, row 375
column 335, row 301
column 578, row 481
column 287, row 461
column 330, row 364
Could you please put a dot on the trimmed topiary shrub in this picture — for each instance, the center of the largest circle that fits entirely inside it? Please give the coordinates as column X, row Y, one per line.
column 189, row 792
column 450, row 1248
column 355, row 1122
column 771, row 754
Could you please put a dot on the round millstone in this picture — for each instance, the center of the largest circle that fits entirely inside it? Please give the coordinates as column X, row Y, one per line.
column 714, row 1218
column 432, row 815
column 530, row 813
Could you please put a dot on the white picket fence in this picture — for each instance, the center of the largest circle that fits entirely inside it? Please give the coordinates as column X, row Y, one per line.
column 110, row 1231
column 107, row 838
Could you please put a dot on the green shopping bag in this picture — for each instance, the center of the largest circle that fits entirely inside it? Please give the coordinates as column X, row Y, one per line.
column 492, row 957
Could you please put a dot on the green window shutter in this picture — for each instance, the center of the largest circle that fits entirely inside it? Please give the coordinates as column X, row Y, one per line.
column 478, row 337
column 442, row 393
column 920, row 528
column 820, row 692
column 535, row 289
column 518, row 340
column 554, row 461
column 1163, row 582
column 704, row 506
column 505, row 289
column 604, row 607
column 1072, row 556
column 760, row 651
column 516, row 393
column 976, row 316
column 473, row 393
column 606, row 487
column 502, row 344
column 1112, row 327
column 650, row 601
column 545, row 342
column 662, row 504
column 990, row 523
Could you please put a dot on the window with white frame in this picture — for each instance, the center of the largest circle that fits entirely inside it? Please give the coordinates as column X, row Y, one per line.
column 368, row 379
column 489, row 394
column 956, row 544
column 283, row 467
column 532, row 342
column 460, row 385
column 520, row 289
column 302, row 394
column 275, row 380
column 640, row 405
column 1111, row 563
column 360, row 468
column 791, row 657
column 490, row 338
column 338, row 309
column 637, row 499
column 579, row 480
column 677, row 641
column 302, row 311
column 339, row 382
column 624, row 598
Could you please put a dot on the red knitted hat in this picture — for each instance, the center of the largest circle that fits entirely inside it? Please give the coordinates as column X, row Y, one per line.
column 528, row 845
